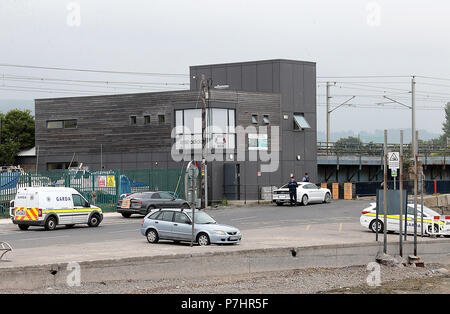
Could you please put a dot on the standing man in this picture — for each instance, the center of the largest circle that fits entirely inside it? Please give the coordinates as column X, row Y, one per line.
column 293, row 191
column 306, row 178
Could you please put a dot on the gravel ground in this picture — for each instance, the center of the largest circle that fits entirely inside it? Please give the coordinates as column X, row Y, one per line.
column 314, row 280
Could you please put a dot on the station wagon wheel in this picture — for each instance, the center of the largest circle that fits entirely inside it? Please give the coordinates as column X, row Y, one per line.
column 126, row 215
column 327, row 198
column 50, row 224
column 152, row 236
column 373, row 226
column 203, row 239
column 305, row 200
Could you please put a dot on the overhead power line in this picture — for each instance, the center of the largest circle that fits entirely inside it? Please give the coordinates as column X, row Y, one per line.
column 92, row 70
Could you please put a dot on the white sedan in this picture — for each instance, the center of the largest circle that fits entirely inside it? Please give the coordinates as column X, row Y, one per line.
column 430, row 218
column 306, row 193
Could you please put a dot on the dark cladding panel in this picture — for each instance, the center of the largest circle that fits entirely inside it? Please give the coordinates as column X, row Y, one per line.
column 309, row 88
column 234, row 76
column 265, row 77
column 298, row 92
column 219, row 76
column 249, row 77
column 286, row 90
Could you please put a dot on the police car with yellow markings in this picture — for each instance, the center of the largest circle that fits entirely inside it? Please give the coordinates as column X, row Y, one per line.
column 51, row 206
column 433, row 223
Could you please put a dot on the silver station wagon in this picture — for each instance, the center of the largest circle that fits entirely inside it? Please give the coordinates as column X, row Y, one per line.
column 176, row 224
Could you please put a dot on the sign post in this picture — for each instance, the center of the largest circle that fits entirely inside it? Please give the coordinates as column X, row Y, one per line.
column 191, row 187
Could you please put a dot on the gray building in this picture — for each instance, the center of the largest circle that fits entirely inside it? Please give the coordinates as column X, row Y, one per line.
column 134, row 131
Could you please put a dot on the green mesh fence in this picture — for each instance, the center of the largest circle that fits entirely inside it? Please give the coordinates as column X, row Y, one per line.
column 102, row 188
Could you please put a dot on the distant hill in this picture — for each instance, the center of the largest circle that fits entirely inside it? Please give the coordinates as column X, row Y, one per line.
column 21, row 104
column 377, row 136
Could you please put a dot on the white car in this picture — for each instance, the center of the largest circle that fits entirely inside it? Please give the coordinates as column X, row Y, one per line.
column 306, row 193
column 430, row 217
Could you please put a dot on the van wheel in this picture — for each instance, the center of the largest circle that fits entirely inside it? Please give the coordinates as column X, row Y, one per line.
column 50, row 224
column 23, row 227
column 94, row 221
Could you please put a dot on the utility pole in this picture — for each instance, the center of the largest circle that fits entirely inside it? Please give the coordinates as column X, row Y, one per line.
column 385, row 192
column 413, row 117
column 205, row 97
column 416, row 176
column 401, row 195
column 328, row 114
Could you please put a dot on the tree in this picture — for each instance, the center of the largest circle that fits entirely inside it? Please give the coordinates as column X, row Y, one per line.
column 348, row 144
column 446, row 125
column 16, row 134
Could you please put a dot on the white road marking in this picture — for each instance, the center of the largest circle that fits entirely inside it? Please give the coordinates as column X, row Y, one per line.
column 245, row 218
column 308, row 227
column 340, row 227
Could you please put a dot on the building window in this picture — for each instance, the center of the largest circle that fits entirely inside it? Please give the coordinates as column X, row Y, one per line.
column 70, row 124
column 161, row 119
column 266, row 119
column 254, row 118
column 62, row 124
column 300, row 122
column 147, row 120
column 133, row 120
column 221, row 127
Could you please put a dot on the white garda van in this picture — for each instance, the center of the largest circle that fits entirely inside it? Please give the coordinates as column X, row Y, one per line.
column 52, row 206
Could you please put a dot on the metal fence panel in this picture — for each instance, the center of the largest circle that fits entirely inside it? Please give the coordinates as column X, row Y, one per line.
column 102, row 188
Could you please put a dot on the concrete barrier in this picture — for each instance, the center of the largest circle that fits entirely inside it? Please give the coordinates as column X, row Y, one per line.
column 215, row 264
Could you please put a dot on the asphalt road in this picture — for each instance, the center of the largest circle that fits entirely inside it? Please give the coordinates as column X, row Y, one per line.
column 115, row 227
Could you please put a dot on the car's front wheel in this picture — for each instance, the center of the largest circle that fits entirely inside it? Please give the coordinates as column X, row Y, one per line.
column 94, row 221
column 152, row 236
column 203, row 239
column 126, row 215
column 327, row 198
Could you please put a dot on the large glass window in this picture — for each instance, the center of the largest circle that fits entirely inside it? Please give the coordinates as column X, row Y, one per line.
column 221, row 126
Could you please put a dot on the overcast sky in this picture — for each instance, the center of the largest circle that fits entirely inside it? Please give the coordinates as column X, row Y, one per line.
column 344, row 37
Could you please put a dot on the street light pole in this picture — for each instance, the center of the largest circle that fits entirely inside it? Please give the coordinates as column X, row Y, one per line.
column 413, row 117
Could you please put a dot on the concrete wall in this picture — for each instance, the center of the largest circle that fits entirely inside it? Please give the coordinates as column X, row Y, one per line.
column 216, row 264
